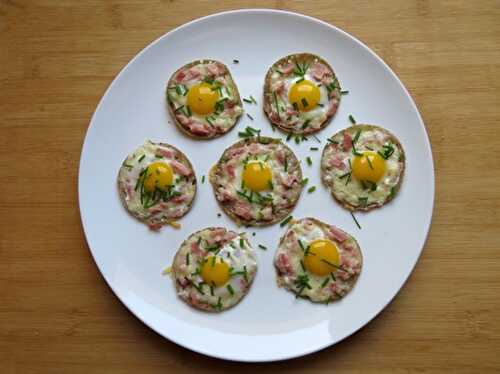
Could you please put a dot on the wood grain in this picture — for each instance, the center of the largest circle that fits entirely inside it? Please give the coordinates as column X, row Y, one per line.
column 57, row 315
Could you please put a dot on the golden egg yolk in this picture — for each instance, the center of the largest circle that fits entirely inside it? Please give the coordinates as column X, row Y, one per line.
column 370, row 166
column 304, row 95
column 201, row 98
column 159, row 175
column 257, row 176
column 321, row 256
column 215, row 271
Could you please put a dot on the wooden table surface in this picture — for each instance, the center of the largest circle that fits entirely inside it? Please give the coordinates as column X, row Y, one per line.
column 56, row 312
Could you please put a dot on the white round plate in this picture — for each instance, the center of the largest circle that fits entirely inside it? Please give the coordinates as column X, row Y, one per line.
column 270, row 323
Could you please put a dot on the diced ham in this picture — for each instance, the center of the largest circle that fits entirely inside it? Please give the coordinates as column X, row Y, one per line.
column 332, row 108
column 225, row 195
column 347, row 143
column 165, row 153
column 130, row 190
column 183, row 282
column 243, row 210
column 230, row 170
column 198, row 128
column 215, row 69
column 254, row 148
column 288, row 68
column 178, row 199
column 187, row 74
column 236, row 152
column 185, row 121
column 154, row 226
column 279, row 87
column 336, row 162
column 333, row 288
column 290, row 238
column 337, row 234
column 320, row 72
column 283, row 264
column 275, row 118
column 280, row 156
column 289, row 180
column 180, row 168
column 196, row 249
column 155, row 211
column 228, row 236
column 267, row 213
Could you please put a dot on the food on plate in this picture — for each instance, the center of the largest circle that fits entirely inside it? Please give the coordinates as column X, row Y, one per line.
column 203, row 99
column 301, row 93
column 363, row 167
column 317, row 261
column 214, row 269
column 257, row 181
column 157, row 184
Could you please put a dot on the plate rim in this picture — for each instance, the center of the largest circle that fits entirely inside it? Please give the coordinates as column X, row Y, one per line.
column 288, row 13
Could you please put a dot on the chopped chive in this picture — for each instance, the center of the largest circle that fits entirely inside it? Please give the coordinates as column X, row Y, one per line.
column 247, row 100
column 317, row 139
column 253, row 100
column 212, row 290
column 141, row 158
column 188, row 109
column 219, row 304
column 297, row 139
column 242, row 243
column 355, row 220
column 305, row 104
column 213, row 261
column 332, row 141
column 325, row 282
column 295, row 106
column 345, row 92
column 299, row 80
column 288, row 137
column 209, row 120
column 249, row 116
column 304, row 181
column 262, row 247
column 219, row 215
column 333, row 265
column 202, row 179
column 351, row 118
column 187, row 259
column 230, row 289
column 313, row 148
column 179, row 109
column 356, row 137
column 302, row 265
column 311, row 189
column 198, row 288
column 301, row 245
column 236, row 61
column 127, row 165
column 363, row 201
column 333, row 277
column 283, row 223
column 270, row 184
column 309, row 161
column 286, row 163
column 306, row 123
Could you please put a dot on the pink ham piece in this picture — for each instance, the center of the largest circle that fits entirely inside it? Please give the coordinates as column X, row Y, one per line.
column 196, row 249
column 283, row 264
column 186, row 75
column 336, row 162
column 289, row 180
column 178, row 199
column 242, row 210
column 280, row 156
column 320, row 72
column 165, row 153
column 347, row 143
column 154, row 226
column 288, row 68
column 198, row 128
column 230, row 171
column 180, row 168
column 224, row 195
column 337, row 234
column 267, row 213
column 183, row 120
column 215, row 69
column 332, row 108
column 236, row 152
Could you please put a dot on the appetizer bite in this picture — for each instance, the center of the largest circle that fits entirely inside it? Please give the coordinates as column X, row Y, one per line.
column 203, row 99
column 157, row 184
column 257, row 181
column 301, row 93
column 214, row 269
column 317, row 261
column 363, row 167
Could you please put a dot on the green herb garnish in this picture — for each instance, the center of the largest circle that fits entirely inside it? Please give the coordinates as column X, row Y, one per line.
column 249, row 116
column 262, row 247
column 344, row 92
column 311, row 189
column 283, row 223
column 230, row 289
column 309, row 161
column 351, row 118
column 325, row 282
column 313, row 148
